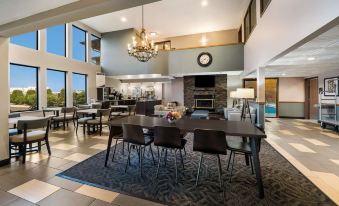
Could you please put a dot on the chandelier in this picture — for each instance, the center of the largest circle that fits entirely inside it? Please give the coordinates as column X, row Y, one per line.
column 143, row 50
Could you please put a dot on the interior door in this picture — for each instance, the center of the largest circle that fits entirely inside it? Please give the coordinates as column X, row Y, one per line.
column 313, row 99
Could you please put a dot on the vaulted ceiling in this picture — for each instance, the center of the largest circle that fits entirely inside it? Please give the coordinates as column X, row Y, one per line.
column 175, row 17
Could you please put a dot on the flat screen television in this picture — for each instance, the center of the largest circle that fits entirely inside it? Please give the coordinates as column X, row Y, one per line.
column 204, row 81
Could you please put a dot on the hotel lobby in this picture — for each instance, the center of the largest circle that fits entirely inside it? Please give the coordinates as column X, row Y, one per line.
column 169, row 102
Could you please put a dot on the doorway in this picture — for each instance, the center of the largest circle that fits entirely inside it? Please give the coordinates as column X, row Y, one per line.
column 271, row 94
column 311, row 98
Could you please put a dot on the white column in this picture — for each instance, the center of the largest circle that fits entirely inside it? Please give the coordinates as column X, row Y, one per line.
column 69, row 92
column 261, row 95
column 4, row 100
column 69, row 41
column 88, row 47
column 42, row 87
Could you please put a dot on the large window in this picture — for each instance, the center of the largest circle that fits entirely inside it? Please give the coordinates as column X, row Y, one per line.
column 23, row 88
column 263, row 5
column 250, row 19
column 95, row 50
column 29, row 40
column 56, row 88
column 79, row 44
column 56, row 40
column 79, row 88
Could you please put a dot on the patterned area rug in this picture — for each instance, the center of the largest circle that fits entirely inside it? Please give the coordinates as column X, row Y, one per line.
column 283, row 184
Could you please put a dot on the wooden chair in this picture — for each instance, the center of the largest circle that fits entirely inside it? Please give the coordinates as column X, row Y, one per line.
column 33, row 131
column 103, row 118
column 67, row 114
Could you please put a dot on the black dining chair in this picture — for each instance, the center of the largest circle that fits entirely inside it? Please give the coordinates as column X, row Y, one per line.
column 209, row 142
column 169, row 138
column 241, row 148
column 103, row 118
column 134, row 136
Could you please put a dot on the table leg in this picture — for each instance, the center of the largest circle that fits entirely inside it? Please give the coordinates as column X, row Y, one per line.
column 255, row 154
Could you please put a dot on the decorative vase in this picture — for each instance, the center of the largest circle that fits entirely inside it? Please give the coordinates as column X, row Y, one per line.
column 171, row 121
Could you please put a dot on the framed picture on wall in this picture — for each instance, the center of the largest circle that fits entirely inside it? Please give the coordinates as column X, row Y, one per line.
column 331, row 86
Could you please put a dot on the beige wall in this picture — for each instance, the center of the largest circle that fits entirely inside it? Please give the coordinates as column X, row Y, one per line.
column 291, row 89
column 42, row 59
column 213, row 38
column 233, row 82
column 4, row 100
column 284, row 24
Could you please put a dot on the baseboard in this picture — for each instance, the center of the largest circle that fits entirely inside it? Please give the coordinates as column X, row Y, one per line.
column 5, row 162
column 289, row 117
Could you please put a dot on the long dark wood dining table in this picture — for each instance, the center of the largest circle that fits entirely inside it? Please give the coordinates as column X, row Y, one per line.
column 231, row 128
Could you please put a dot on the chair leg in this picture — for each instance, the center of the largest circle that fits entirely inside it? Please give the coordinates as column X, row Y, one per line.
column 39, row 147
column 100, row 129
column 182, row 160
column 232, row 167
column 76, row 128
column 220, row 172
column 176, row 167
column 185, row 151
column 201, row 157
column 84, row 129
column 128, row 159
column 150, row 148
column 141, row 159
column 24, row 154
column 159, row 157
column 251, row 164
column 48, row 147
column 115, row 147
column 229, row 160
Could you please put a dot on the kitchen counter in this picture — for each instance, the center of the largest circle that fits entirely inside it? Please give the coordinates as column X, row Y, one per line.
column 146, row 107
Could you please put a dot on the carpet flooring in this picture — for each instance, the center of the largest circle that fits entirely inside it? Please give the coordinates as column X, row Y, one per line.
column 283, row 183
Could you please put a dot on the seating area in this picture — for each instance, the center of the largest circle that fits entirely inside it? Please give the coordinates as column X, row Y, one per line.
column 169, row 102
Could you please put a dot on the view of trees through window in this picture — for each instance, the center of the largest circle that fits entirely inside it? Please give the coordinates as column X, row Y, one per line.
column 23, row 88
column 56, row 88
column 79, row 89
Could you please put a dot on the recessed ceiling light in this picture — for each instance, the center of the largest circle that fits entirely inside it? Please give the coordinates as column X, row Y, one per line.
column 153, row 34
column 204, row 3
column 283, row 74
column 123, row 19
column 310, row 58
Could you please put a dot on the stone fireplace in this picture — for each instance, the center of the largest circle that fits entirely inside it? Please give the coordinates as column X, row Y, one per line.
column 206, row 98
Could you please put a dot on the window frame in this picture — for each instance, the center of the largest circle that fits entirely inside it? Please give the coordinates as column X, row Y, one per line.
column 65, row 43
column 264, row 8
column 86, row 76
column 249, row 14
column 65, row 84
column 86, row 43
column 36, row 44
column 37, row 84
column 93, row 35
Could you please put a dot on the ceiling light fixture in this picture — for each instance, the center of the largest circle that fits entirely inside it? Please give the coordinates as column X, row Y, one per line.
column 203, row 40
column 153, row 34
column 204, row 3
column 310, row 58
column 123, row 19
column 143, row 50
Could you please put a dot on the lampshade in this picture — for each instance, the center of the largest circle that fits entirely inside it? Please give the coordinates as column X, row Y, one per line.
column 245, row 93
column 233, row 94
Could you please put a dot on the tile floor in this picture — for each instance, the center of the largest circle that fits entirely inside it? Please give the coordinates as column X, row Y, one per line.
column 312, row 150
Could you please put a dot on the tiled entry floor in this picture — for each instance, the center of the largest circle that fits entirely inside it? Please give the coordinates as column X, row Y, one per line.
column 35, row 182
column 312, row 150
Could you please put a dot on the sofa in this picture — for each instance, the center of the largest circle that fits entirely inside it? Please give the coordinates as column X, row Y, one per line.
column 234, row 114
column 161, row 110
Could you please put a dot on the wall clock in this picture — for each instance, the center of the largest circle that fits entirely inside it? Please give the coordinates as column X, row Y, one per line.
column 204, row 59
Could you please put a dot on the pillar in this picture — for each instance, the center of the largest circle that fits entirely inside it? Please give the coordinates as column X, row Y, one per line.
column 4, row 100
column 261, row 96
